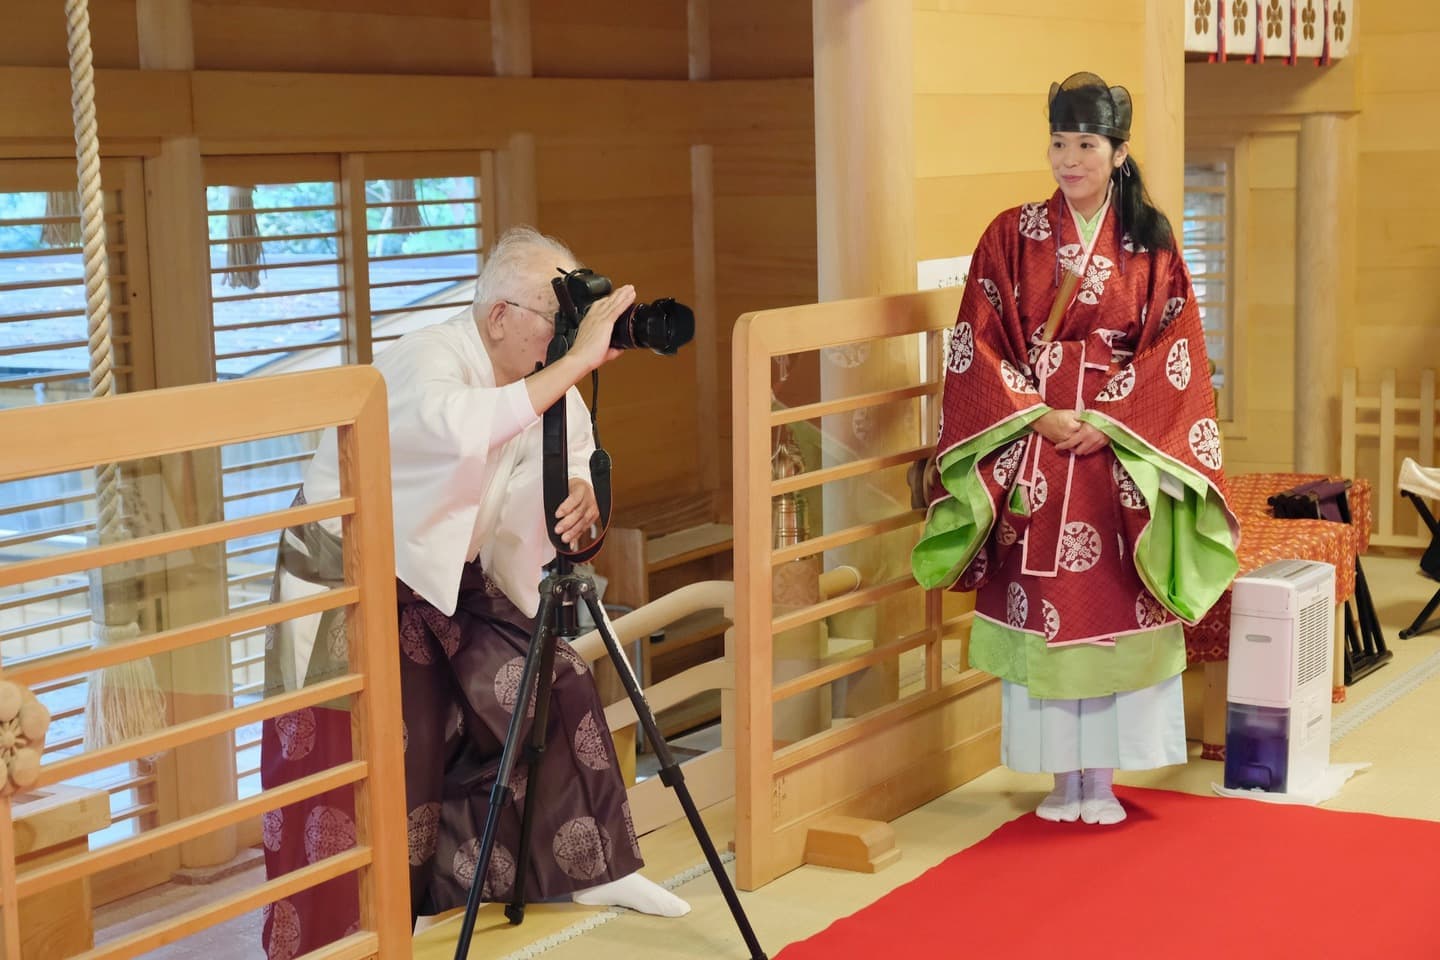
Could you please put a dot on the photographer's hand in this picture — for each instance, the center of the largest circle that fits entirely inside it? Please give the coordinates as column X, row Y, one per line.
column 577, row 514
column 592, row 340
column 590, row 349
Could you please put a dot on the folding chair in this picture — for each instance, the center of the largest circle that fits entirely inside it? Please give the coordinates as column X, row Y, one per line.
column 1418, row 483
column 1365, row 649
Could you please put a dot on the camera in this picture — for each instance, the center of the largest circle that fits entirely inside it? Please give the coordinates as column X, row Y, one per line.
column 663, row 326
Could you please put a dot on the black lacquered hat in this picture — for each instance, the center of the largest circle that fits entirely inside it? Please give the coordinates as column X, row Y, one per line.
column 1084, row 104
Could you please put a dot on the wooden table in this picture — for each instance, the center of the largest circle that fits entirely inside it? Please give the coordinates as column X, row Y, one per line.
column 1264, row 539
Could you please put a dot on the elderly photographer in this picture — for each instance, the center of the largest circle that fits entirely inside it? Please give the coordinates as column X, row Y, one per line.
column 465, row 401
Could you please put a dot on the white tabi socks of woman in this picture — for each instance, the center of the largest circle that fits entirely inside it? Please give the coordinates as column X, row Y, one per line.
column 1097, row 798
column 635, row 893
column 1062, row 805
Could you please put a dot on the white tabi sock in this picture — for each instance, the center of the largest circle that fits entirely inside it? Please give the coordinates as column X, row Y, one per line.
column 636, row 893
column 1063, row 803
column 1098, row 803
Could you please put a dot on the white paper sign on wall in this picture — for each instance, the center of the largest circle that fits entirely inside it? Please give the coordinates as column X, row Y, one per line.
column 942, row 272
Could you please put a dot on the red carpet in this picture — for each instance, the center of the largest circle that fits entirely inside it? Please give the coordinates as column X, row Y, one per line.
column 1183, row 877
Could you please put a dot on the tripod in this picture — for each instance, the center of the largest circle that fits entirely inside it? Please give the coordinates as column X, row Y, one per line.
column 561, row 592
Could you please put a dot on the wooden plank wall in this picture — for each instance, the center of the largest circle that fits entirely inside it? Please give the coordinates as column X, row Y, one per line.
column 765, row 190
column 1264, row 437
column 1397, row 322
column 982, row 71
column 612, row 164
column 32, row 33
column 1391, row 81
column 361, row 36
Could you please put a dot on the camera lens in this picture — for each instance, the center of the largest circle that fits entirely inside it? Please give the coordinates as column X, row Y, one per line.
column 663, row 326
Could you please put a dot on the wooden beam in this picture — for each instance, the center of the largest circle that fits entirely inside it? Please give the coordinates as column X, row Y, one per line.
column 1236, row 89
column 130, row 103
column 233, row 105
column 255, row 112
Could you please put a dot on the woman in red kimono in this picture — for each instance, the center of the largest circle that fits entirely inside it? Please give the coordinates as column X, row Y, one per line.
column 1079, row 489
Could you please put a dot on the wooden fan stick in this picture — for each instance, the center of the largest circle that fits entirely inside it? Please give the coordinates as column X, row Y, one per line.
column 1062, row 300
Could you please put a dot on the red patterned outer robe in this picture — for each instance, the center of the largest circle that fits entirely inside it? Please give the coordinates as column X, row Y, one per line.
column 1081, row 549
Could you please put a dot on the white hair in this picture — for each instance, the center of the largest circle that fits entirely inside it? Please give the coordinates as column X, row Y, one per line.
column 503, row 276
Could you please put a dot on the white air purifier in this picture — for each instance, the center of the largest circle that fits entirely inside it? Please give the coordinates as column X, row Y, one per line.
column 1282, row 643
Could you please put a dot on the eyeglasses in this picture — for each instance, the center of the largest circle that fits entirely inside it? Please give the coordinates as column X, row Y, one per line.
column 544, row 316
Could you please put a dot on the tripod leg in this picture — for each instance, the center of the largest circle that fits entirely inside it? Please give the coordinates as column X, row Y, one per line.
column 500, row 793
column 1369, row 621
column 671, row 774
column 1354, row 650
column 1420, row 625
column 534, row 754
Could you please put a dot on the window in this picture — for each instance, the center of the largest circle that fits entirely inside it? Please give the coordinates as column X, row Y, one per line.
column 1209, row 255
column 315, row 262
column 422, row 251
column 44, row 358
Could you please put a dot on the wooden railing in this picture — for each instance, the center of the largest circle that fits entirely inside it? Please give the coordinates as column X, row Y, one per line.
column 1376, row 434
column 710, row 777
column 935, row 722
column 54, row 438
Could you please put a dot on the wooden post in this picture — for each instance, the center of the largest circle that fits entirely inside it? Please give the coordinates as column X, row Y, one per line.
column 864, row 147
column 1162, row 123
column 184, row 347
column 702, row 233
column 510, row 44
column 1326, row 146
column 865, row 222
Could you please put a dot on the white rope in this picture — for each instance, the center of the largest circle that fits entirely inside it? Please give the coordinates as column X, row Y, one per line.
column 124, row 701
column 92, row 236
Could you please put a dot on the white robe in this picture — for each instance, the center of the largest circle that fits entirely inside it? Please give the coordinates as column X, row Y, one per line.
column 465, row 466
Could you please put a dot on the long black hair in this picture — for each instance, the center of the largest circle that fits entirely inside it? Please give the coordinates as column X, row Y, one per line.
column 1139, row 217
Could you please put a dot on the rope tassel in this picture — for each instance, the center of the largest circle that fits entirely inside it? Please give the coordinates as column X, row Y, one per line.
column 125, row 700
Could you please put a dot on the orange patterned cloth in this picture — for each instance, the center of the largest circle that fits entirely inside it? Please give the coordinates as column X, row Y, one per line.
column 1264, row 539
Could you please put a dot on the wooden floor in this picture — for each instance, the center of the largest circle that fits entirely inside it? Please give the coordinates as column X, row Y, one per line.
column 1404, row 781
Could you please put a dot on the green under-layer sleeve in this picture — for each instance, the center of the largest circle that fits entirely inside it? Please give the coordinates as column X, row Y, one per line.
column 960, row 523
column 1186, row 555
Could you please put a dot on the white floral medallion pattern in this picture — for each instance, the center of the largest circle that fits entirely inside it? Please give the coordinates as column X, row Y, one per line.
column 1052, row 619
column 1205, row 443
column 1130, row 496
column 1017, row 606
column 962, row 348
column 328, row 831
column 1080, row 547
column 1014, row 380
column 582, row 848
column 992, row 293
column 1008, row 463
column 1119, row 386
column 1097, row 271
column 1173, row 307
column 1035, row 221
column 1149, row 613
column 1177, row 364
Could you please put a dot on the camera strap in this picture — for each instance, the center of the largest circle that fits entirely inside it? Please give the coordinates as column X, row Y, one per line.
column 555, row 446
